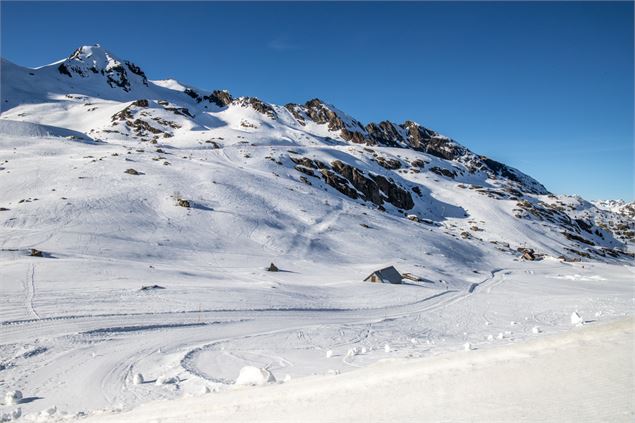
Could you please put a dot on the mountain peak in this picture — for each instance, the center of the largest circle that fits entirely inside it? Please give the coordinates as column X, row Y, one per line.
column 83, row 53
column 93, row 60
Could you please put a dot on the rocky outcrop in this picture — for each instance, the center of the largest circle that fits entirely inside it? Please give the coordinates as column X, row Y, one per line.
column 221, row 98
column 443, row 172
column 374, row 188
column 354, row 183
column 385, row 134
column 258, row 105
column 339, row 183
column 390, row 164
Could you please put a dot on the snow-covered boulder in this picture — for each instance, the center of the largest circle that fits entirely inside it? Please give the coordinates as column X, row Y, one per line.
column 250, row 375
column 576, row 319
column 137, row 379
column 387, row 348
column 467, row 346
column 12, row 397
column 329, row 354
column 536, row 330
column 11, row 415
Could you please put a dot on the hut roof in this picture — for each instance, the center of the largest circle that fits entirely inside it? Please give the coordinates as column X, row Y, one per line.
column 387, row 275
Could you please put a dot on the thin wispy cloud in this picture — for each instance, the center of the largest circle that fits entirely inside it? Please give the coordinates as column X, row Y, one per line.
column 282, row 43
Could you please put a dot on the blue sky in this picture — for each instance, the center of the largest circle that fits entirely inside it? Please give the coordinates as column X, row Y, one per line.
column 543, row 86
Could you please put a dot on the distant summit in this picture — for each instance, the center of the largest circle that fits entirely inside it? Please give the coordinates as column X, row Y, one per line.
column 95, row 61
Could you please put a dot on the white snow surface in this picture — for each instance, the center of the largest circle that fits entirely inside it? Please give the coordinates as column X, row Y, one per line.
column 76, row 325
column 583, row 376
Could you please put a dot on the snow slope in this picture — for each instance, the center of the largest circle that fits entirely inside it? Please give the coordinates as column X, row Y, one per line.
column 124, row 183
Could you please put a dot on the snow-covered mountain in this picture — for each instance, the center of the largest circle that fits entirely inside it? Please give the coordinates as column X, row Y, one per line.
column 114, row 186
column 617, row 206
column 397, row 169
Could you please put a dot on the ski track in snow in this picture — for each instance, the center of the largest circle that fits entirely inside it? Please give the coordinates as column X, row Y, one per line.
column 29, row 291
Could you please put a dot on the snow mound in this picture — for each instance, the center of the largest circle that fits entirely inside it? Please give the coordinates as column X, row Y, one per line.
column 137, row 379
column 15, row 128
column 11, row 415
column 250, row 375
column 12, row 397
column 576, row 319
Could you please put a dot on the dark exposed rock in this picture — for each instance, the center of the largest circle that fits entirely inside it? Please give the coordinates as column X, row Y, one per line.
column 220, row 98
column 117, row 77
column 64, row 70
column 294, row 109
column 190, row 92
column 384, row 134
column 141, row 103
column 387, row 163
column 374, row 188
column 142, row 125
column 258, row 105
column 339, row 183
column 574, row 237
column 443, row 172
column 363, row 184
column 122, row 115
column 151, row 287
column 319, row 113
column 528, row 254
column 418, row 163
column 304, row 170
column 183, row 111
column 272, row 268
column 183, row 202
column 353, row 136
column 500, row 169
column 397, row 196
column 136, row 70
column 310, row 163
column 36, row 253
column 584, row 225
column 132, row 172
